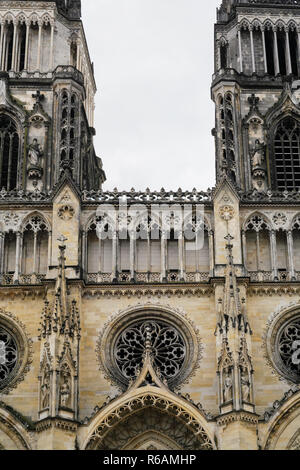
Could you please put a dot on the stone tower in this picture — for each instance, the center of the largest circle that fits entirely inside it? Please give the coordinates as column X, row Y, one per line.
column 257, row 50
column 155, row 320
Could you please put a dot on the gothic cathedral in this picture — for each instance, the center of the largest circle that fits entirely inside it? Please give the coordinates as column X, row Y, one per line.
column 149, row 320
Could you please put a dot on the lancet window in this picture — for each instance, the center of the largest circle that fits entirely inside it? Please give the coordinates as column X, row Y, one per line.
column 69, row 117
column 9, row 153
column 267, row 48
column 287, row 154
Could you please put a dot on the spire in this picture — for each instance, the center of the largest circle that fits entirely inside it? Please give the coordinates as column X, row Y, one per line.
column 62, row 319
column 232, row 311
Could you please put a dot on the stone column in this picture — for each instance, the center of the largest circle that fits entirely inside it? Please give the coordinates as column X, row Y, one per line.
column 288, row 53
column 35, row 253
column 2, row 238
column 264, row 50
column 163, row 255
column 211, row 251
column 40, row 24
column 3, row 61
column 240, row 50
column 49, row 248
column 132, row 239
column 17, row 263
column 244, row 247
column 52, row 48
column 1, row 42
column 273, row 254
column 181, row 256
column 257, row 251
column 252, row 50
column 114, row 255
column 298, row 50
column 100, row 267
column 27, row 45
column 84, row 251
column 276, row 57
column 13, row 62
column 290, row 246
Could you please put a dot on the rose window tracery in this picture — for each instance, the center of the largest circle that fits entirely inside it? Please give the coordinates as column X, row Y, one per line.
column 168, row 349
column 288, row 345
column 8, row 356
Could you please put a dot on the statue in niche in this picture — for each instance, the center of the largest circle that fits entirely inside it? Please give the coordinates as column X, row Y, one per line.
column 228, row 386
column 65, row 389
column 258, row 154
column 245, row 385
column 35, row 154
column 45, row 391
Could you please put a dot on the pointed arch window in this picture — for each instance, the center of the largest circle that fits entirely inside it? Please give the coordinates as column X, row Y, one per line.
column 9, row 152
column 287, row 154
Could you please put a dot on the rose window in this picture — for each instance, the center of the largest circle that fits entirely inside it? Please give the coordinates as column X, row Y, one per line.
column 289, row 348
column 168, row 349
column 8, row 356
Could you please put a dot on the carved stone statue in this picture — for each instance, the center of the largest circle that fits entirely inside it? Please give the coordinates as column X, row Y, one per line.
column 228, row 386
column 34, row 154
column 245, row 385
column 65, row 391
column 258, row 155
column 45, row 392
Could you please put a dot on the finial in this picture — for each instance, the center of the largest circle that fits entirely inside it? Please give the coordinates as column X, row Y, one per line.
column 62, row 239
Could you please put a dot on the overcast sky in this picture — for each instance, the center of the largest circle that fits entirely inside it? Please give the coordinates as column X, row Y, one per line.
column 153, row 65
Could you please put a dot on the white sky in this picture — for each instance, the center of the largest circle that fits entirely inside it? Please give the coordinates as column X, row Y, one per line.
column 153, row 66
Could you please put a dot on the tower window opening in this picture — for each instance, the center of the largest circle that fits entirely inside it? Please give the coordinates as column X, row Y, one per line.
column 270, row 53
column 9, row 63
column 22, row 48
column 9, row 153
column 287, row 154
column 281, row 52
column 294, row 52
column 223, row 56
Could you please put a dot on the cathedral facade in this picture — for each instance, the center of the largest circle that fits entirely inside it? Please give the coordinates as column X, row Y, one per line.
column 164, row 320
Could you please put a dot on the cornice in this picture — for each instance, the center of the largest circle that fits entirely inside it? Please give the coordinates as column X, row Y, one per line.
column 234, row 416
column 59, row 423
column 131, row 291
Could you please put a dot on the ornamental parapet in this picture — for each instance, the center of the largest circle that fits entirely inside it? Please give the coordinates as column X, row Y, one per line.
column 69, row 72
column 162, row 196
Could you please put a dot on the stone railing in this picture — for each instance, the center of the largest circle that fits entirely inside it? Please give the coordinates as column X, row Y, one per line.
column 68, row 71
column 24, row 279
column 136, row 197
column 271, row 196
column 145, row 278
column 268, row 276
column 30, row 75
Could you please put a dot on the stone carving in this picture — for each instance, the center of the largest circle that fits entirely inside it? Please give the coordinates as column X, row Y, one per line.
column 280, row 219
column 8, row 356
column 289, row 347
column 110, row 425
column 227, row 213
column 245, row 385
column 228, row 386
column 35, row 154
column 65, row 387
column 66, row 213
column 167, row 343
column 45, row 389
column 11, row 221
column 258, row 155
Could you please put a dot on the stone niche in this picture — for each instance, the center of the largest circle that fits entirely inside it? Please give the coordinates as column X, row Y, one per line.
column 37, row 143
